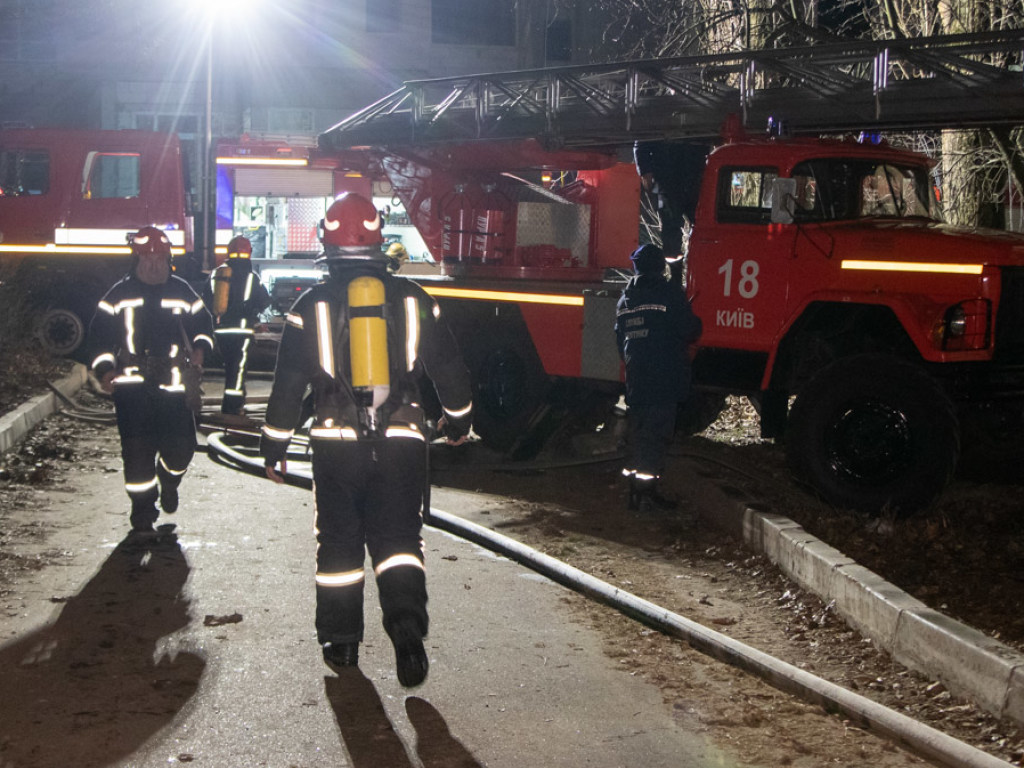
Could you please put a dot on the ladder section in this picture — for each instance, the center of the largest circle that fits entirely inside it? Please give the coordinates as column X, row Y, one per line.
column 936, row 82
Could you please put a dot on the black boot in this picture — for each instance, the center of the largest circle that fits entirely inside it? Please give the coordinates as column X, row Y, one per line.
column 341, row 654
column 168, row 490
column 410, row 656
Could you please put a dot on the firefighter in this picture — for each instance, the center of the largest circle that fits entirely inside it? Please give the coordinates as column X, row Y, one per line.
column 147, row 329
column 361, row 340
column 396, row 255
column 235, row 297
column 654, row 327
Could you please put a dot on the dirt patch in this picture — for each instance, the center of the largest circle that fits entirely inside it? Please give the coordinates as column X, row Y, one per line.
column 25, row 373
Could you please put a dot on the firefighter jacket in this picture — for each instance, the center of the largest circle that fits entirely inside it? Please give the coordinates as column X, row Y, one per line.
column 144, row 332
column 246, row 298
column 654, row 326
column 315, row 352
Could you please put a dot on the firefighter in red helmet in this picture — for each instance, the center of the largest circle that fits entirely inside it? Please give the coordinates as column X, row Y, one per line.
column 148, row 328
column 236, row 297
column 363, row 340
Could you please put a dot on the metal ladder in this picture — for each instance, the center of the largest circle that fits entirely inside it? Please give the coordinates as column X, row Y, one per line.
column 933, row 82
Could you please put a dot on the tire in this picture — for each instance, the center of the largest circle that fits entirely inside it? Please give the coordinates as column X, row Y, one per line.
column 510, row 389
column 61, row 331
column 875, row 434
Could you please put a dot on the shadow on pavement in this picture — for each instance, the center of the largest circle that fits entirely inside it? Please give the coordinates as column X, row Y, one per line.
column 435, row 744
column 95, row 685
column 370, row 737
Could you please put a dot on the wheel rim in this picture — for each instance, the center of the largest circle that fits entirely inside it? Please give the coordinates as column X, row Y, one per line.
column 61, row 331
column 870, row 443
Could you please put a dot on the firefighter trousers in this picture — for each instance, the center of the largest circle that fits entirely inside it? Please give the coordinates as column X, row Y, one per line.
column 234, row 351
column 369, row 498
column 158, row 441
column 651, row 430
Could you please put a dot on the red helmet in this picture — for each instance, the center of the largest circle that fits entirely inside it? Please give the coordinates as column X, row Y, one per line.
column 351, row 229
column 239, row 248
column 150, row 241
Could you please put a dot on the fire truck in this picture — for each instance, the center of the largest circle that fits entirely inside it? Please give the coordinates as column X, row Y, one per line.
column 68, row 200
column 832, row 295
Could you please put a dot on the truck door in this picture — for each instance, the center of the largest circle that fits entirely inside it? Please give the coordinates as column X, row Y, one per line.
column 739, row 262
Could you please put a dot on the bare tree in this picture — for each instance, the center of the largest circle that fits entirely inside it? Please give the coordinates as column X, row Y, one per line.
column 974, row 166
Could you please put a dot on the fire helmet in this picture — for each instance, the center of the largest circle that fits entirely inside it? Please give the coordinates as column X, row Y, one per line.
column 350, row 230
column 150, row 241
column 396, row 256
column 239, row 248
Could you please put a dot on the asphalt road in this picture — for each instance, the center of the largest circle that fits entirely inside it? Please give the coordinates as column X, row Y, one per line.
column 201, row 649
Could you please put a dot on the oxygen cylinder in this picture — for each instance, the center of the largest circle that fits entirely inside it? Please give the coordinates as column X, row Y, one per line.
column 221, row 289
column 368, row 334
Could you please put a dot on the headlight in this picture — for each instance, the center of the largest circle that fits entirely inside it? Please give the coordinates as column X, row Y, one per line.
column 956, row 322
column 965, row 326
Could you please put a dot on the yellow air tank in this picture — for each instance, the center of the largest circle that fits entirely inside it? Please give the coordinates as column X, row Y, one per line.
column 368, row 333
column 221, row 289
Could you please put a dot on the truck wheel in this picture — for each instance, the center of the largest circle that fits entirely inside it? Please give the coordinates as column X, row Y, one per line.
column 61, row 331
column 873, row 433
column 509, row 392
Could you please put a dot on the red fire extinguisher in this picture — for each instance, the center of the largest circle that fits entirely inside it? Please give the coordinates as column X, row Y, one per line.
column 456, row 221
column 488, row 245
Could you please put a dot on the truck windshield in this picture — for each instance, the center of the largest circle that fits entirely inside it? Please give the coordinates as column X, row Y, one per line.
column 836, row 189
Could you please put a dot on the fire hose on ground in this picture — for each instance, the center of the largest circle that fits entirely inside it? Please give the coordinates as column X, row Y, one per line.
column 915, row 736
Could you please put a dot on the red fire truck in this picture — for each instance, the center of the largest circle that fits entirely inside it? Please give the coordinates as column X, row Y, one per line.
column 831, row 293
column 68, row 199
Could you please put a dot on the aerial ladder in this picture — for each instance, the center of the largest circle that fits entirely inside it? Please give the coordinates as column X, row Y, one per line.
column 958, row 81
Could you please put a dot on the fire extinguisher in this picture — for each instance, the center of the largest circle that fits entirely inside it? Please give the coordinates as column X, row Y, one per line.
column 488, row 243
column 457, row 225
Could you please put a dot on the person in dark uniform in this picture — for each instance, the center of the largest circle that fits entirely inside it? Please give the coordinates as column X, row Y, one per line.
column 671, row 173
column 235, row 297
column 654, row 327
column 362, row 340
column 148, row 328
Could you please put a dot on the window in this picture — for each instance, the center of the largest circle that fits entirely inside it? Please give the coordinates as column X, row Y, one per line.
column 473, row 22
column 745, row 195
column 837, row 189
column 24, row 172
column 111, row 175
column 383, row 15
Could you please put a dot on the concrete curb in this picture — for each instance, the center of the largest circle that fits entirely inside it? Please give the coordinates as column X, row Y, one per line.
column 19, row 422
column 968, row 662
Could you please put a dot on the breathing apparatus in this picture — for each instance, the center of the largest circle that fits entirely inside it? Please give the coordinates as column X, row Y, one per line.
column 350, row 233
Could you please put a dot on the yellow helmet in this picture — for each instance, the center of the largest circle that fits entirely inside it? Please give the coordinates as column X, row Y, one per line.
column 396, row 256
